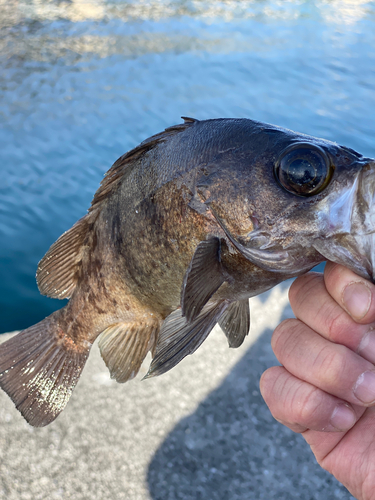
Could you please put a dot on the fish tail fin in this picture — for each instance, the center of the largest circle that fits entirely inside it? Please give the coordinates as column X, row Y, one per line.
column 39, row 368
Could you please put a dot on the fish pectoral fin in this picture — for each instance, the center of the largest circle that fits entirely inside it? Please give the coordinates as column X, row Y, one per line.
column 203, row 278
column 235, row 322
column 57, row 271
column 124, row 346
column 39, row 369
column 178, row 337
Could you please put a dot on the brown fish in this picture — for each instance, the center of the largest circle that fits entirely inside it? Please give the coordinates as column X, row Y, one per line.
column 182, row 231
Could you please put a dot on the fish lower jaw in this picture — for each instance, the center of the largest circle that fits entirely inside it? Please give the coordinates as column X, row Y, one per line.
column 357, row 254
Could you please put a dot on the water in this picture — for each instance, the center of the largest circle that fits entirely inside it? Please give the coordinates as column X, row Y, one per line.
column 81, row 82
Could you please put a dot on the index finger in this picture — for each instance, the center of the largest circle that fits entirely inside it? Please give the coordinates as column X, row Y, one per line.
column 352, row 292
column 314, row 305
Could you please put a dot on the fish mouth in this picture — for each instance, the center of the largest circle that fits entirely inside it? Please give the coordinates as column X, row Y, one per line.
column 348, row 219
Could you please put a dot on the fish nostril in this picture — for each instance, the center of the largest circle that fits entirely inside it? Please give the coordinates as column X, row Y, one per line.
column 270, row 221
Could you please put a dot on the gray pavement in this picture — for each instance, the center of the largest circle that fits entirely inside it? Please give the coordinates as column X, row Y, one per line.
column 201, row 431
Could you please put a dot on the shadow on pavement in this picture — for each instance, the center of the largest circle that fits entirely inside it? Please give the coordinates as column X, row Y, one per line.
column 231, row 447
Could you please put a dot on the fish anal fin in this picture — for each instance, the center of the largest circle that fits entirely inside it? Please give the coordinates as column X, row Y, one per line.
column 203, row 278
column 56, row 275
column 39, row 368
column 124, row 346
column 235, row 322
column 178, row 337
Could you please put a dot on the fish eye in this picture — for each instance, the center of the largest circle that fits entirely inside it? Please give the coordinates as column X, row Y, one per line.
column 303, row 169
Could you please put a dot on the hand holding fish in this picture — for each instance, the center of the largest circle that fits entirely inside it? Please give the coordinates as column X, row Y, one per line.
column 325, row 388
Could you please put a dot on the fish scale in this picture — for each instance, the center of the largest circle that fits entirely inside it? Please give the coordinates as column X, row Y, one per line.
column 182, row 231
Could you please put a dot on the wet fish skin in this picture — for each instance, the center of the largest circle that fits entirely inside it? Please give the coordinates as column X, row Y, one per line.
column 183, row 230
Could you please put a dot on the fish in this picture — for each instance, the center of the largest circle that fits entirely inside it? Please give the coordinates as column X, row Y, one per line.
column 182, row 231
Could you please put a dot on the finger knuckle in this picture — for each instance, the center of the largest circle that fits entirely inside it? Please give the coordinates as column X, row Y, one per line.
column 331, row 364
column 266, row 383
column 308, row 406
column 283, row 333
column 333, row 274
column 336, row 322
column 302, row 288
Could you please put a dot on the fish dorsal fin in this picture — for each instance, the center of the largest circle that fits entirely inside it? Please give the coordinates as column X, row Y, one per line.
column 178, row 337
column 113, row 177
column 203, row 277
column 124, row 346
column 56, row 274
column 235, row 322
column 57, row 271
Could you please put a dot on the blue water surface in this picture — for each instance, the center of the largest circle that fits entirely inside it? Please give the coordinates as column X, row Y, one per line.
column 81, row 82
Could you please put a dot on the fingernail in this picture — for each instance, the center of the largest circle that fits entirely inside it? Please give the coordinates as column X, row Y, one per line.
column 364, row 389
column 343, row 417
column 357, row 299
column 367, row 347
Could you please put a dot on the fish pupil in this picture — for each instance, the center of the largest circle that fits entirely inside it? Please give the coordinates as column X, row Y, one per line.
column 303, row 170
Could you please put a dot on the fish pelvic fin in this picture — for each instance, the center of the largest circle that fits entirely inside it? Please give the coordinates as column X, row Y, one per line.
column 203, row 278
column 57, row 273
column 235, row 322
column 124, row 346
column 179, row 337
column 39, row 368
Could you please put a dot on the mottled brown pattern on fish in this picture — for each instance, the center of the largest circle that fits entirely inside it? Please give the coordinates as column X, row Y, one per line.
column 182, row 231
column 162, row 233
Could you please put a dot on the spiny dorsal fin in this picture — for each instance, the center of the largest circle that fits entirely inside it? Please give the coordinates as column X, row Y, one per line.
column 57, row 271
column 124, row 346
column 235, row 322
column 203, row 277
column 188, row 119
column 115, row 174
column 178, row 337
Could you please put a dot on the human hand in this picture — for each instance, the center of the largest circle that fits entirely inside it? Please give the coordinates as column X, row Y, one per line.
column 325, row 388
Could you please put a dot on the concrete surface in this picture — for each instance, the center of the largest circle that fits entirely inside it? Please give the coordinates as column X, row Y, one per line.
column 201, row 431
